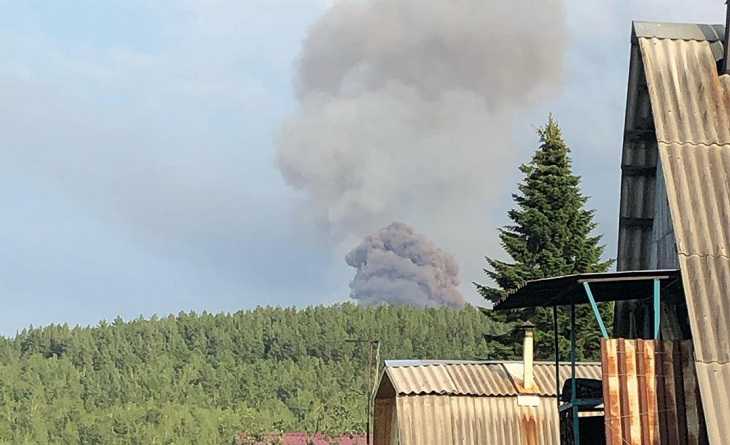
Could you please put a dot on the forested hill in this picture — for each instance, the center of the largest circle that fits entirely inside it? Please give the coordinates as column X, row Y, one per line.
column 200, row 379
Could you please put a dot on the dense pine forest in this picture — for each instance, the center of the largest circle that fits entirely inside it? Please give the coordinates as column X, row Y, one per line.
column 202, row 378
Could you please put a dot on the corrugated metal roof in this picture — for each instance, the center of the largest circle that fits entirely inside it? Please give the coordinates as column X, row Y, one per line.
column 681, row 31
column 568, row 289
column 691, row 114
column 478, row 378
column 306, row 439
column 689, row 102
column 434, row 419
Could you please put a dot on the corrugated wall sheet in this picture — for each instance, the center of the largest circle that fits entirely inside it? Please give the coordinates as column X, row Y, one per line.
column 435, row 419
column 691, row 108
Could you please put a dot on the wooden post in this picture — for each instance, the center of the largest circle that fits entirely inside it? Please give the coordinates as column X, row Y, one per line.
column 647, row 384
column 630, row 415
column 611, row 394
column 670, row 391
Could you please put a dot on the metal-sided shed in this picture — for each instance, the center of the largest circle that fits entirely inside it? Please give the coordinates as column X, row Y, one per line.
column 450, row 402
column 675, row 195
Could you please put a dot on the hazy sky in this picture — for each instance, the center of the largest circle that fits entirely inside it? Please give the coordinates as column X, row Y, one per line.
column 137, row 152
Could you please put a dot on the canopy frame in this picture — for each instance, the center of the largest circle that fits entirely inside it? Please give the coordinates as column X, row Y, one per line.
column 570, row 296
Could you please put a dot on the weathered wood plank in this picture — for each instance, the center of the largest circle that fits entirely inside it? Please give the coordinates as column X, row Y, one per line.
column 670, row 393
column 679, row 392
column 691, row 399
column 632, row 412
column 611, row 391
column 647, row 384
column 661, row 399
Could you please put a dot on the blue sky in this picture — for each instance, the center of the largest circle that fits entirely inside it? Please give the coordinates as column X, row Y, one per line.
column 137, row 152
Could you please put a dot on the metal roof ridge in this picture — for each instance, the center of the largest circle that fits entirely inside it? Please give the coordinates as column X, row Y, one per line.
column 445, row 363
column 613, row 273
column 678, row 31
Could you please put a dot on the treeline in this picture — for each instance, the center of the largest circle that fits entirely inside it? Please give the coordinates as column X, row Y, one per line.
column 203, row 378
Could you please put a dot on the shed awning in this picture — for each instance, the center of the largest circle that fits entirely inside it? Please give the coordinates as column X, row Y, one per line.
column 609, row 286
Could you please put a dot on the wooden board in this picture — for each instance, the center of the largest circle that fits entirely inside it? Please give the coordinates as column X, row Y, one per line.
column 650, row 393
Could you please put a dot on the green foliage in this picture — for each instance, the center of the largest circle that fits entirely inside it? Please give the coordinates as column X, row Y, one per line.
column 551, row 234
column 201, row 379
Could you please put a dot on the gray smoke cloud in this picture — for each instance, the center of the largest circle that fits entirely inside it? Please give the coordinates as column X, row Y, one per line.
column 406, row 110
column 396, row 265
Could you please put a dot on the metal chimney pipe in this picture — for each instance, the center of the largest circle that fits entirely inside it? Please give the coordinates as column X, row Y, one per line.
column 528, row 376
column 726, row 40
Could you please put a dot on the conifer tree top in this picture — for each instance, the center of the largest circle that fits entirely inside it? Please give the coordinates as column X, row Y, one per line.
column 551, row 231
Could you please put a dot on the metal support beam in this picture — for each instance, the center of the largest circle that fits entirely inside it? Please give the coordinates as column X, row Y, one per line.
column 646, row 223
column 657, row 308
column 557, row 356
column 594, row 306
column 726, row 42
column 640, row 135
column 573, row 389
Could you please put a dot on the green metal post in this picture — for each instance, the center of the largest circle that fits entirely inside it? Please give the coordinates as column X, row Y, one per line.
column 557, row 356
column 573, row 408
column 594, row 306
column 657, row 308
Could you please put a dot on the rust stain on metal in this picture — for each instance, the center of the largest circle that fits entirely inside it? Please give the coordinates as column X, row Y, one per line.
column 611, row 391
column 648, row 369
column 630, row 418
column 648, row 385
column 529, row 427
column 650, row 393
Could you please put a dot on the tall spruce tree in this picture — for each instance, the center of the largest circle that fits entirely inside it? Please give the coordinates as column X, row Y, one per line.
column 551, row 235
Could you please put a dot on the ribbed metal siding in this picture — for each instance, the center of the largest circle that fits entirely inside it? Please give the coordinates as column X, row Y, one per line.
column 698, row 184
column 638, row 165
column 691, row 106
column 664, row 249
column 713, row 379
column 638, row 185
column 447, row 420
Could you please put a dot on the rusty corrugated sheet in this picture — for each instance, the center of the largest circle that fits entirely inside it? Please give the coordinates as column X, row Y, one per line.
column 478, row 378
column 432, row 419
column 650, row 393
column 691, row 109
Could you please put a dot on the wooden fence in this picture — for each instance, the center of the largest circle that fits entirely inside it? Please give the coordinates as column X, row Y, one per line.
column 650, row 393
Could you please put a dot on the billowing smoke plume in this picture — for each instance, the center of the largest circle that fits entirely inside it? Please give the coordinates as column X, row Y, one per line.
column 398, row 266
column 406, row 110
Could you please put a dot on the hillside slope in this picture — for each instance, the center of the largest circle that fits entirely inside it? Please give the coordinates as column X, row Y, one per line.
column 200, row 379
